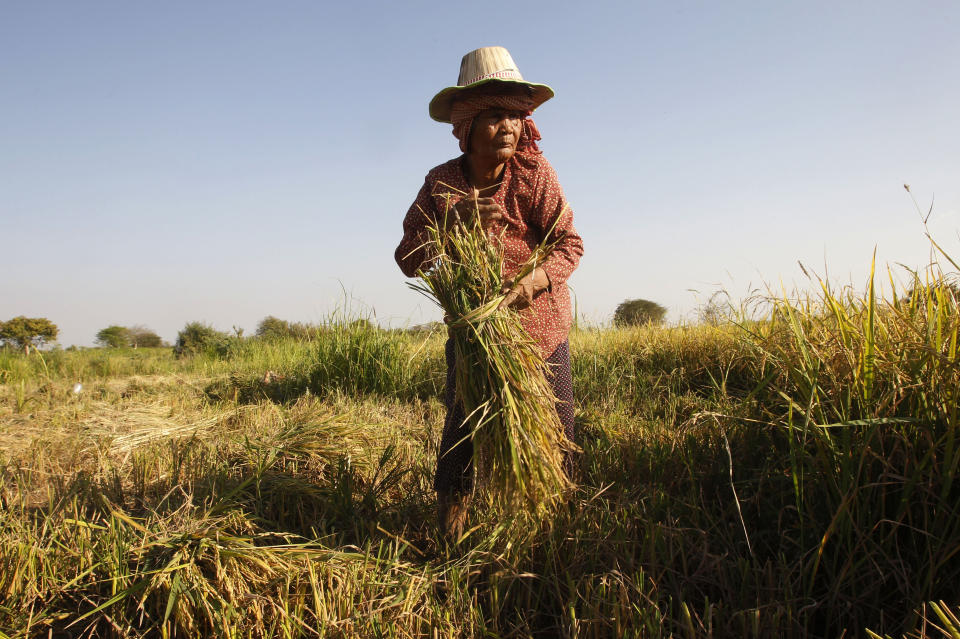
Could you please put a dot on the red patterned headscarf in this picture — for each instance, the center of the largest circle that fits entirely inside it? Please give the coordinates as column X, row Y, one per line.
column 465, row 110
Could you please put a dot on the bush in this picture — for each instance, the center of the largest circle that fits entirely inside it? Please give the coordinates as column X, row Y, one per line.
column 638, row 312
column 196, row 338
column 271, row 327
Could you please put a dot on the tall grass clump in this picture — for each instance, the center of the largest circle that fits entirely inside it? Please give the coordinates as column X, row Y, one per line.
column 500, row 373
column 864, row 389
column 358, row 358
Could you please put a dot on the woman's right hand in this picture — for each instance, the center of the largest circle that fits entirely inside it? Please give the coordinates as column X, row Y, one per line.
column 485, row 207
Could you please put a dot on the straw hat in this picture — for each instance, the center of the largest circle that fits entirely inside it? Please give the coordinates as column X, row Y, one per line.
column 487, row 65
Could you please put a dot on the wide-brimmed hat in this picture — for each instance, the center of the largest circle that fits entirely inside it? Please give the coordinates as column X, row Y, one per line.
column 485, row 66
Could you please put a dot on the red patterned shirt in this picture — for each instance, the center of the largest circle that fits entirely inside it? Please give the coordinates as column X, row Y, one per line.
column 531, row 199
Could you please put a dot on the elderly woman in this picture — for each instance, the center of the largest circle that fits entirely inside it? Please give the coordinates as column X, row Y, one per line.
column 515, row 193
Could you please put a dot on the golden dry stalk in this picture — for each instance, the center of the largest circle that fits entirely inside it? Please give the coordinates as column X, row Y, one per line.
column 501, row 375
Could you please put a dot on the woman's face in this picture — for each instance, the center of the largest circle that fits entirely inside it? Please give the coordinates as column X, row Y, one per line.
column 496, row 133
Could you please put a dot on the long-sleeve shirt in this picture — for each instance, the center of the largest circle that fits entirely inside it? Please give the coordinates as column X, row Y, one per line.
column 532, row 200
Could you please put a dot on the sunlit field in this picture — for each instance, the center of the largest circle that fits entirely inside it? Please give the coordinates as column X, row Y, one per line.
column 786, row 472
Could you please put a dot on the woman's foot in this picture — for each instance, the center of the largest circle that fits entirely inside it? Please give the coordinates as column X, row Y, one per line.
column 452, row 513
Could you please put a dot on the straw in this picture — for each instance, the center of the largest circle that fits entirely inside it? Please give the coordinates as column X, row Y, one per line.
column 501, row 375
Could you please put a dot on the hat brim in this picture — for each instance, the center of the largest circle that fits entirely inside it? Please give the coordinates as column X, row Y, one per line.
column 442, row 103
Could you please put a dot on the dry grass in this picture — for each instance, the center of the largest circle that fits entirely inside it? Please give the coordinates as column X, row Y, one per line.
column 788, row 477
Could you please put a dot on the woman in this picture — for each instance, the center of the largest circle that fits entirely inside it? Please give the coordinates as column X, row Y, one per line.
column 515, row 193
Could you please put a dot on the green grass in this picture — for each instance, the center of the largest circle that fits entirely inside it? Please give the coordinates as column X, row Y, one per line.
column 794, row 475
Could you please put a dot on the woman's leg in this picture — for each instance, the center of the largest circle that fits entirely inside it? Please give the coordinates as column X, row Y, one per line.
column 562, row 382
column 454, row 477
column 454, row 459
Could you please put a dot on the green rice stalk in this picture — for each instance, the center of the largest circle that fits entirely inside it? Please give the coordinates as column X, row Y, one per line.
column 500, row 373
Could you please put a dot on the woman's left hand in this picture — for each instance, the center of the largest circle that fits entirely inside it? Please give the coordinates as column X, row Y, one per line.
column 520, row 293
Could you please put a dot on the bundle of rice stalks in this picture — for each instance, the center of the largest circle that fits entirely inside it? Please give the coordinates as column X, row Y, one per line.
column 501, row 378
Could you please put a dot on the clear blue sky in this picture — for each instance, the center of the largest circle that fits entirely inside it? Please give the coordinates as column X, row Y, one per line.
column 224, row 161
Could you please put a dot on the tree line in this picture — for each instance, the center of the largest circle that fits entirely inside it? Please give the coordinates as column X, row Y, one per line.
column 24, row 332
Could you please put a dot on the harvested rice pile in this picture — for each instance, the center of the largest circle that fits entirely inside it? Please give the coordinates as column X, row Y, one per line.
column 501, row 376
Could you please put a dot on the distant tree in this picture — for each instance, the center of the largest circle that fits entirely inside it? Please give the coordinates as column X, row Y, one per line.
column 25, row 332
column 304, row 331
column 637, row 312
column 197, row 337
column 114, row 337
column 143, row 337
column 121, row 336
column 273, row 327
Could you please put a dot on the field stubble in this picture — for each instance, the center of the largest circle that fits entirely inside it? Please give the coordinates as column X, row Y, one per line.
column 790, row 476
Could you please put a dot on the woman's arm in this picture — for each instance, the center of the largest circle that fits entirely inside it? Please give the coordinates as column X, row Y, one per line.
column 552, row 215
column 551, row 211
column 413, row 251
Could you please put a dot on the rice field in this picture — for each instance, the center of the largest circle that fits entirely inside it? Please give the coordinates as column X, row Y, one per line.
column 786, row 473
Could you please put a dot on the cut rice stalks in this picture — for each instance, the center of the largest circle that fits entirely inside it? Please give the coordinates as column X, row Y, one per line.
column 501, row 375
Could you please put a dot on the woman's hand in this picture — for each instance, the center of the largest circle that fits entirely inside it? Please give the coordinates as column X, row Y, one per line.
column 520, row 293
column 472, row 205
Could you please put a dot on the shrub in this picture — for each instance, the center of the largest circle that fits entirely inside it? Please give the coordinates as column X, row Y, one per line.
column 638, row 312
column 271, row 327
column 197, row 337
